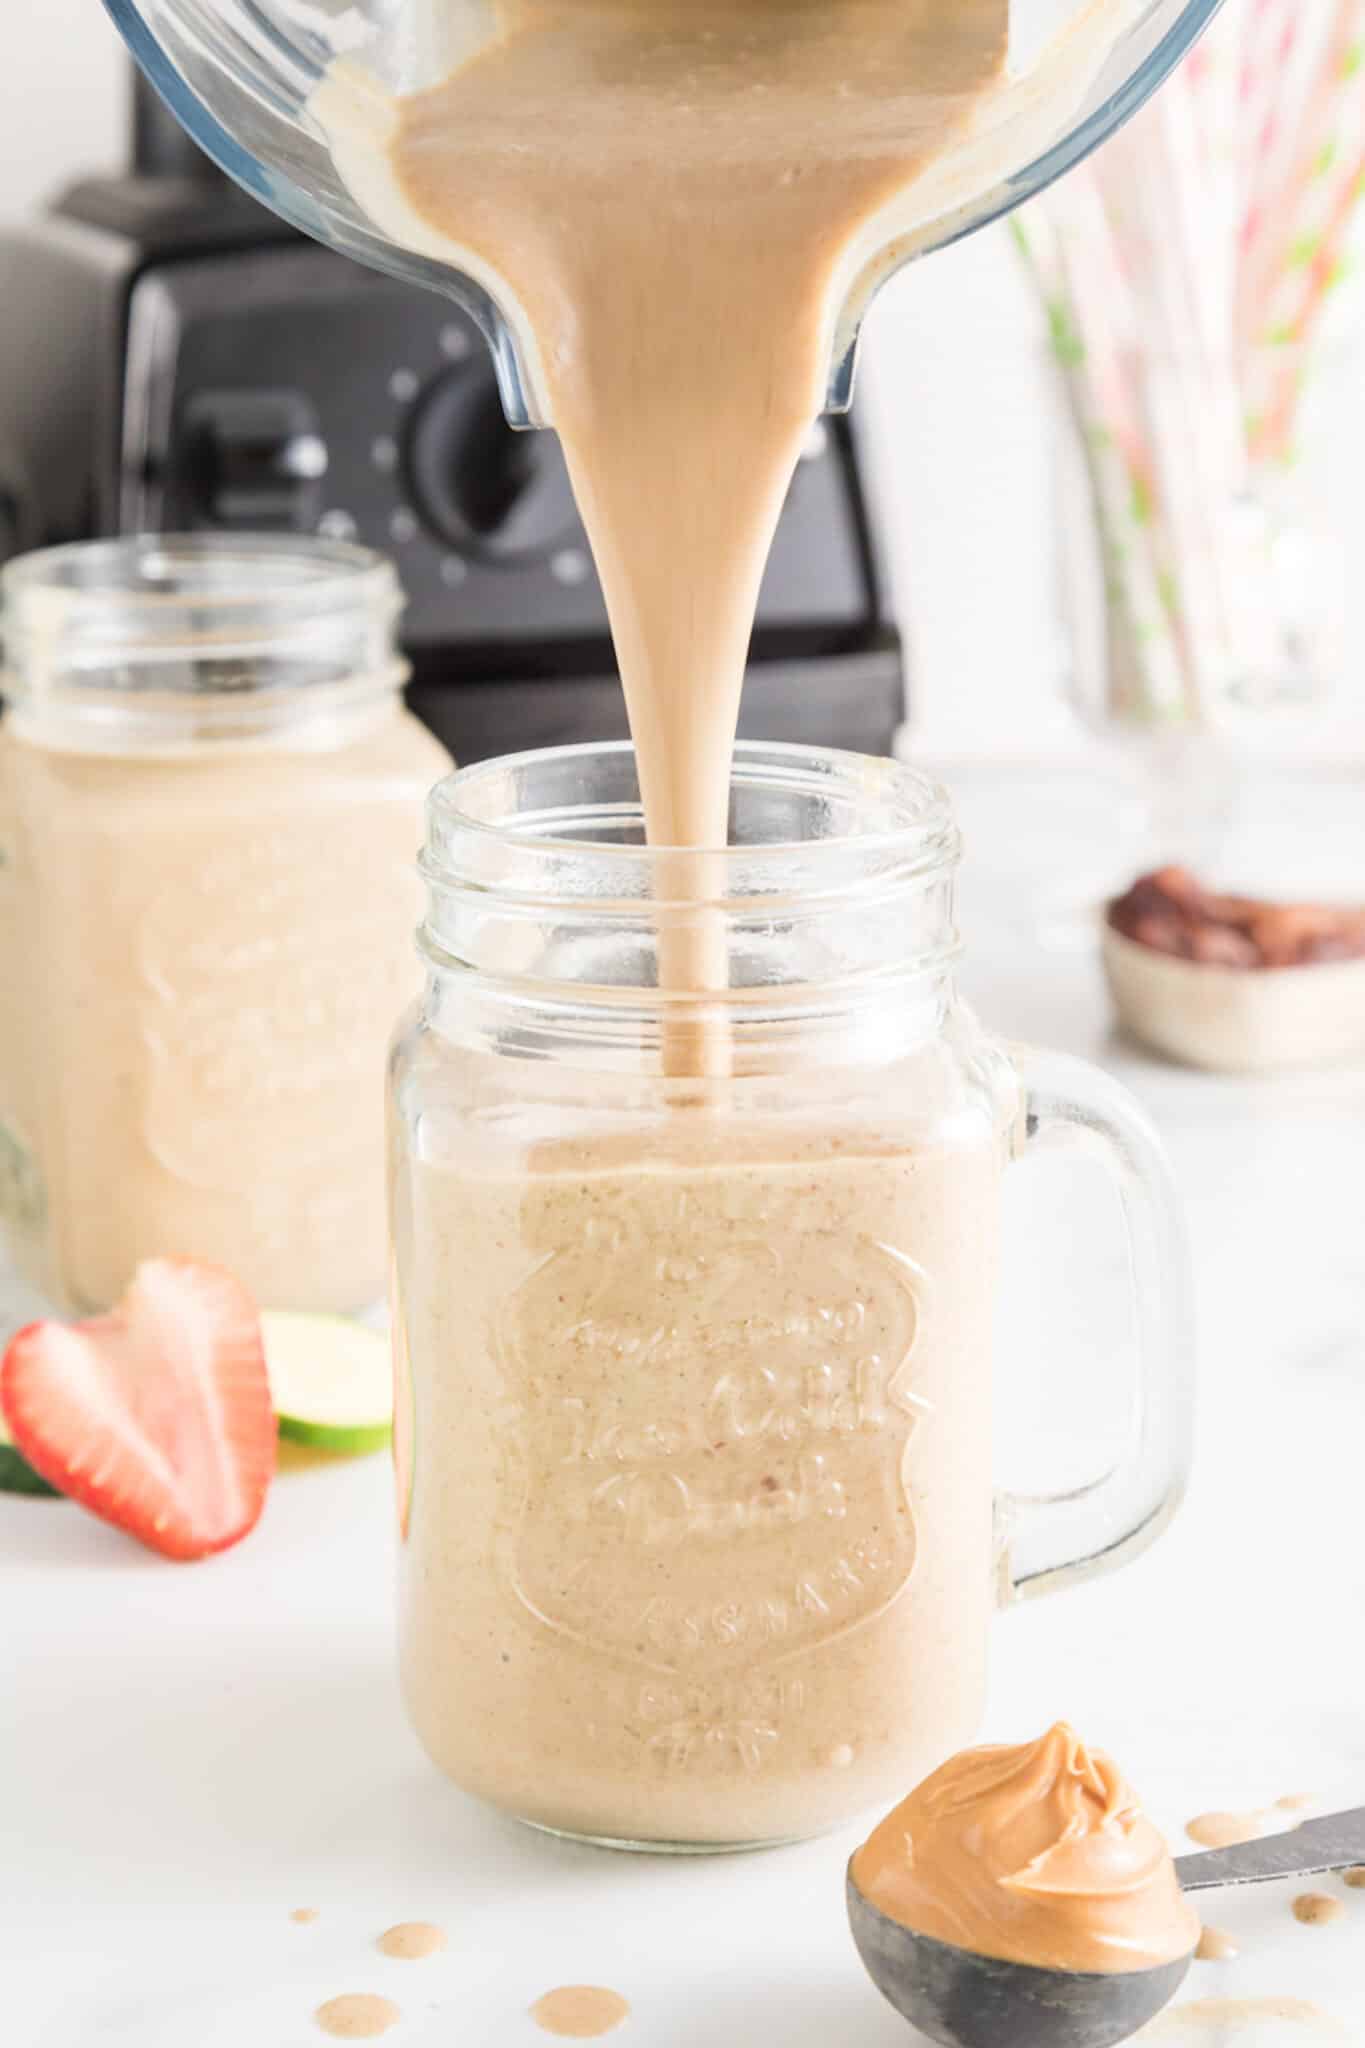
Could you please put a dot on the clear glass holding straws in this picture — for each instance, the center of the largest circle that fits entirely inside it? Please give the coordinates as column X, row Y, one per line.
column 1189, row 275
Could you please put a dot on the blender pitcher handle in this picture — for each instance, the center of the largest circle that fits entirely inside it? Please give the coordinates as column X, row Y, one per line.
column 1045, row 1540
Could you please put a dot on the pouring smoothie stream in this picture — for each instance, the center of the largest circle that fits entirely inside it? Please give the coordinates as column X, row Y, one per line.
column 670, row 194
column 693, row 1424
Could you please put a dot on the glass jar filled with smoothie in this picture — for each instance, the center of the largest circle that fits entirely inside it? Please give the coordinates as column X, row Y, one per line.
column 696, row 1172
column 210, row 793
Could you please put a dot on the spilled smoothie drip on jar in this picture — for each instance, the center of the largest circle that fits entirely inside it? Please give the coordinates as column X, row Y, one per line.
column 1036, row 1853
column 671, row 201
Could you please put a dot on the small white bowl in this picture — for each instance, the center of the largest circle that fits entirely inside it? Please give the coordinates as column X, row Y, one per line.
column 1237, row 1020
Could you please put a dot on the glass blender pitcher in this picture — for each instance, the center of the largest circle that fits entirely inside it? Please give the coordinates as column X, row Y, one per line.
column 241, row 76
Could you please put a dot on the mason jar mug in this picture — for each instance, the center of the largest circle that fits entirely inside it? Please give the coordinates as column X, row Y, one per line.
column 700, row 1540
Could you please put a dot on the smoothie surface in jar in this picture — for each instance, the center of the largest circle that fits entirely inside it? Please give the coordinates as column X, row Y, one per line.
column 714, row 1406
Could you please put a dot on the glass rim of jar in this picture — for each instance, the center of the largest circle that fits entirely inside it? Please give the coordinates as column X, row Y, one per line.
column 542, row 892
column 515, row 852
column 149, row 576
column 152, row 633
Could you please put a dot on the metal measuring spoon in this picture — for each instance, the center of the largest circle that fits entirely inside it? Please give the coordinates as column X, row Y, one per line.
column 962, row 2000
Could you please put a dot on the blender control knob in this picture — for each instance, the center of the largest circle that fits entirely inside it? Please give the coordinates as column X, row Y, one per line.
column 495, row 495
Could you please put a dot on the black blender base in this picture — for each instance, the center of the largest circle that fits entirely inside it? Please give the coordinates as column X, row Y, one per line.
column 851, row 701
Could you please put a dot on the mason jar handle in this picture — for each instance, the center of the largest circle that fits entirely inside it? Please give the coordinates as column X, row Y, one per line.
column 1047, row 1539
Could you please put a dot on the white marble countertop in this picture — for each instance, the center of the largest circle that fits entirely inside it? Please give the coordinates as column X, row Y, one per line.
column 186, row 1754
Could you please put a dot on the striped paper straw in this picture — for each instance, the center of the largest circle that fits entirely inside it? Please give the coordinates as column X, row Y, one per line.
column 1155, row 188
column 1282, row 46
column 1296, row 192
column 1094, row 383
column 1318, row 215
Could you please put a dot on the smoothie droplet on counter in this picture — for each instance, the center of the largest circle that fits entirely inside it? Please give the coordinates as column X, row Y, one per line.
column 304, row 1916
column 413, row 1939
column 1295, row 1802
column 357, row 2016
column 1214, row 2020
column 1226, row 1830
column 1317, row 1909
column 1217, row 1947
column 1355, row 1878
column 580, row 2012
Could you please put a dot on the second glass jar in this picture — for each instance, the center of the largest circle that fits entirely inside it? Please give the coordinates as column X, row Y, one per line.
column 209, row 796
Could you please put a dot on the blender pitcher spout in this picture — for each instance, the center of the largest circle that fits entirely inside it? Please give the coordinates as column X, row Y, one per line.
column 1100, row 81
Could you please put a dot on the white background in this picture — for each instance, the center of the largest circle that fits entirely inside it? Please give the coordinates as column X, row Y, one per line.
column 953, row 398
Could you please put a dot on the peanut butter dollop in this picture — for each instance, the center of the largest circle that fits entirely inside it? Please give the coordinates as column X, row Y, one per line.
column 1033, row 1853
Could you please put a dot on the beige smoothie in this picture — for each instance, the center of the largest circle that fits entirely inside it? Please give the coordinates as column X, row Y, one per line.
column 214, row 946
column 696, row 1480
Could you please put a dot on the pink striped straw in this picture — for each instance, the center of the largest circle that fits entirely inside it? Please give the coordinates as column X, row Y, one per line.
column 1300, row 158
column 1071, row 253
column 1274, row 376
column 1319, row 207
column 1214, row 75
column 1275, row 42
column 1156, row 189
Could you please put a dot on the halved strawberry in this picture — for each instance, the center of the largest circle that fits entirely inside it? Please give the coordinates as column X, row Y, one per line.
column 156, row 1416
